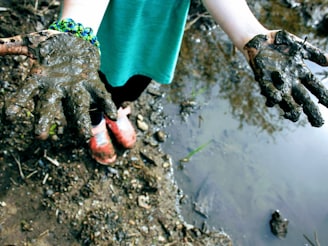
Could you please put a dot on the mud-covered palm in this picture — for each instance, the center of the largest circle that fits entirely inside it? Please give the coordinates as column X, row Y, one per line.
column 277, row 60
column 64, row 75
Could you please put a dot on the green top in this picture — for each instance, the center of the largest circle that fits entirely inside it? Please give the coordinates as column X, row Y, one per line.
column 141, row 37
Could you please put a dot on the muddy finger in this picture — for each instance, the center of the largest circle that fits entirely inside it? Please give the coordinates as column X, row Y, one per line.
column 79, row 105
column 104, row 100
column 292, row 110
column 316, row 88
column 20, row 98
column 48, row 108
column 272, row 94
column 315, row 54
column 302, row 97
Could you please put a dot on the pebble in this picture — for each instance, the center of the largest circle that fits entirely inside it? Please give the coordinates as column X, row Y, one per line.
column 166, row 164
column 60, row 130
column 160, row 136
column 113, row 171
column 143, row 201
column 143, row 126
column 161, row 239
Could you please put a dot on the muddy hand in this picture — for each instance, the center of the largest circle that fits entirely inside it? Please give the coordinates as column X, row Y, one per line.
column 277, row 60
column 64, row 75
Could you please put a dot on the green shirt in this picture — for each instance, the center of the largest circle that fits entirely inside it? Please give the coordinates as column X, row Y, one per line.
column 141, row 37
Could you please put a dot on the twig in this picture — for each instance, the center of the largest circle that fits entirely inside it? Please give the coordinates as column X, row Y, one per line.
column 316, row 238
column 19, row 167
column 52, row 161
column 36, row 5
column 54, row 3
column 309, row 240
column 45, row 178
column 13, row 181
column 192, row 22
column 43, row 233
column 31, row 174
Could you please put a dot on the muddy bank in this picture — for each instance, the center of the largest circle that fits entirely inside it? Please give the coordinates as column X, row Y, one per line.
column 53, row 193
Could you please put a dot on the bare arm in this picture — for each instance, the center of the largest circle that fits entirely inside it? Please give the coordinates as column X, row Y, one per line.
column 236, row 19
column 87, row 12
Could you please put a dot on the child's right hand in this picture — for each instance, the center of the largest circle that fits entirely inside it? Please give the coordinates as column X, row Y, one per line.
column 64, row 76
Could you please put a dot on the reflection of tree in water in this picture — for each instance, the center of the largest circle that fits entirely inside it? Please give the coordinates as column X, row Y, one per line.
column 248, row 105
column 208, row 58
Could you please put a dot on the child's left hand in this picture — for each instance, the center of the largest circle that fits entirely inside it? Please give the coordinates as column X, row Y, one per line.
column 277, row 61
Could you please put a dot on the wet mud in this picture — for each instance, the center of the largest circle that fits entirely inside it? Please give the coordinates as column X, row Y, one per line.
column 270, row 56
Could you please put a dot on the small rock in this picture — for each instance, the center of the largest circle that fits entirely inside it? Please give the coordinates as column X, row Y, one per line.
column 160, row 136
column 143, row 126
column 161, row 239
column 166, row 164
column 143, row 201
column 278, row 224
column 26, row 225
column 60, row 130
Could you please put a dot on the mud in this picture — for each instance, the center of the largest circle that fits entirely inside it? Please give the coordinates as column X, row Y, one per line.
column 58, row 75
column 283, row 77
column 53, row 193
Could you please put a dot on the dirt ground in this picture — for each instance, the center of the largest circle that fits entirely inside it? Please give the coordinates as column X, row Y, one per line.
column 53, row 193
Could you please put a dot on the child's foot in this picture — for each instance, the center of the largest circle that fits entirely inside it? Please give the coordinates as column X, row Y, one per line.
column 101, row 146
column 122, row 128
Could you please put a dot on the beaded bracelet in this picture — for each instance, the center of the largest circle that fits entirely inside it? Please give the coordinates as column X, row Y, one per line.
column 69, row 25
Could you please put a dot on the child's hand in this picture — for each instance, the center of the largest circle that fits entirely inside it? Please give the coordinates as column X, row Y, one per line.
column 277, row 62
column 64, row 76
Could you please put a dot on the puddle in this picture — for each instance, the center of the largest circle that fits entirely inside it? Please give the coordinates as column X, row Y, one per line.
column 255, row 161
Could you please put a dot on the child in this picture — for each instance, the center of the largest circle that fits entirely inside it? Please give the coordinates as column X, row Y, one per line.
column 140, row 41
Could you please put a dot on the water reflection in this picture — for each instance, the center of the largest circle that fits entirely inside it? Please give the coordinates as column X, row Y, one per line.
column 209, row 67
column 255, row 161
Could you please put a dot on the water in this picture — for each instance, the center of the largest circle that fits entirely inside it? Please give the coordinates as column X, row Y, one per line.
column 247, row 173
column 255, row 161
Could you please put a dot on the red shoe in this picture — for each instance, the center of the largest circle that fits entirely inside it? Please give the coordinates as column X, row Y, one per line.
column 122, row 128
column 101, row 146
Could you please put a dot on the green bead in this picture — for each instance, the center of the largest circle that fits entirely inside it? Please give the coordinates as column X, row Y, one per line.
column 69, row 25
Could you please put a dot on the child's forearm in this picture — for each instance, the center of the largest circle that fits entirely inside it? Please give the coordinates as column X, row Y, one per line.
column 236, row 19
column 87, row 12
